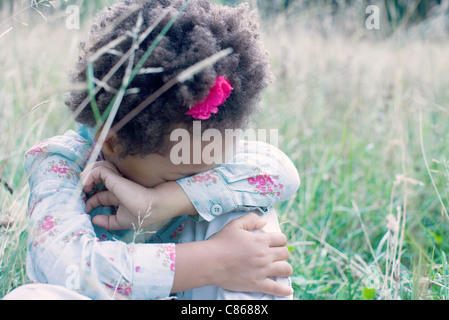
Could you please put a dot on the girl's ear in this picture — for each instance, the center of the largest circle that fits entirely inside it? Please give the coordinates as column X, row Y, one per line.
column 110, row 146
column 109, row 149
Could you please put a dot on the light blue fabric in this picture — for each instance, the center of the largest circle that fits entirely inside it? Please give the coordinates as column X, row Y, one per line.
column 65, row 249
column 197, row 231
column 256, row 178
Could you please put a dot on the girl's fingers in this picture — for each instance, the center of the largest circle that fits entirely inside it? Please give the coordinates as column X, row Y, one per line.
column 102, row 174
column 107, row 222
column 97, row 164
column 96, row 172
column 280, row 269
column 252, row 221
column 279, row 253
column 102, row 198
column 277, row 289
column 248, row 222
column 276, row 239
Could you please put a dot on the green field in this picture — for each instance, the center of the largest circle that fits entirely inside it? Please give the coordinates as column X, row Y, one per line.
column 364, row 119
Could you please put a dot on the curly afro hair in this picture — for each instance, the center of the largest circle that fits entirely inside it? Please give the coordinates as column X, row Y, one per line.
column 200, row 31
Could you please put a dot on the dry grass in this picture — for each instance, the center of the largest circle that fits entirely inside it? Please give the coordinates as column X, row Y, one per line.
column 34, row 60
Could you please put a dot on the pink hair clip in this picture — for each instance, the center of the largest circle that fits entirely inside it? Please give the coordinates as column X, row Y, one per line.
column 216, row 97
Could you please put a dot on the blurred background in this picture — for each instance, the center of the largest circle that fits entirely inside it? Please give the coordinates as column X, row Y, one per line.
column 360, row 99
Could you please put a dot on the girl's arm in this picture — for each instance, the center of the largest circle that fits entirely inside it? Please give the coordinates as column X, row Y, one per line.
column 64, row 249
column 258, row 177
column 220, row 260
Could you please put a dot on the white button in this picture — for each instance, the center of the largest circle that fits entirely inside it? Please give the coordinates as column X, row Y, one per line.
column 216, row 209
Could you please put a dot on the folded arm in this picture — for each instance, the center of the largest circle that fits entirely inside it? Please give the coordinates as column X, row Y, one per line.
column 258, row 177
column 64, row 249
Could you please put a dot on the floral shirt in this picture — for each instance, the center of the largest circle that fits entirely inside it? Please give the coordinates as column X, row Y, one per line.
column 65, row 248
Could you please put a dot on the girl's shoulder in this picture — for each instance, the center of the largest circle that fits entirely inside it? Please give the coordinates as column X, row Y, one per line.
column 261, row 153
column 71, row 146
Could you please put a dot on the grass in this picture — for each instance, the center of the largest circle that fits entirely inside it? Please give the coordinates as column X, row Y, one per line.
column 33, row 72
column 349, row 110
column 365, row 121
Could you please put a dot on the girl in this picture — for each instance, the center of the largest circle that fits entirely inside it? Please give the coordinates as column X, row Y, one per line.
column 140, row 177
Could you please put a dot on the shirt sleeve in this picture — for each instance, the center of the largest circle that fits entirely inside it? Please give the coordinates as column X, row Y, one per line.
column 257, row 177
column 63, row 248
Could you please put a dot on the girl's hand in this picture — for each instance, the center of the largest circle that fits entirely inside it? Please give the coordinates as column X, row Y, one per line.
column 235, row 259
column 137, row 205
column 254, row 259
column 131, row 199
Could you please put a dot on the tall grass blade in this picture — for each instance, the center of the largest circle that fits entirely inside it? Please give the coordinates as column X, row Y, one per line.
column 445, row 276
column 90, row 88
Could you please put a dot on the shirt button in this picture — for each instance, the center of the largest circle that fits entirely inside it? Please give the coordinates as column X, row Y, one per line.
column 216, row 209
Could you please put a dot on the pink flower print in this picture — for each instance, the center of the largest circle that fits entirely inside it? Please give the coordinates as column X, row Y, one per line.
column 269, row 179
column 172, row 256
column 125, row 291
column 35, row 150
column 74, row 236
column 265, row 185
column 44, row 230
column 57, row 169
column 173, row 259
column 47, row 224
column 198, row 178
column 261, row 180
column 78, row 234
column 177, row 232
column 168, row 254
column 137, row 268
column 62, row 169
column 122, row 289
column 169, row 248
column 39, row 147
column 262, row 189
column 207, row 178
column 131, row 249
column 252, row 180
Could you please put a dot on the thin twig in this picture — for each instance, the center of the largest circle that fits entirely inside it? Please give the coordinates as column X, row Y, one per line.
column 350, row 261
column 7, row 186
column 22, row 10
column 7, row 30
column 359, row 216
column 40, row 104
